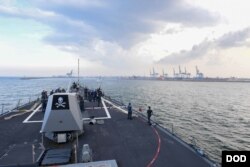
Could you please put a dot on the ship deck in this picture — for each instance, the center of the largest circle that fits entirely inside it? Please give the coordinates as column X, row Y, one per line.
column 131, row 143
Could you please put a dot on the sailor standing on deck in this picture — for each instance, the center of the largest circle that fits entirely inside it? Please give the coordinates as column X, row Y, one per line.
column 149, row 113
column 129, row 111
column 44, row 100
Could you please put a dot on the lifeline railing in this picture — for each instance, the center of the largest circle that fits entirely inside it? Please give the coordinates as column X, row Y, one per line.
column 9, row 107
column 174, row 130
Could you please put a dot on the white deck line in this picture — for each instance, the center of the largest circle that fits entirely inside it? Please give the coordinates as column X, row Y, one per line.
column 95, row 108
column 33, row 113
column 101, row 118
column 84, row 119
column 105, row 108
column 33, row 122
column 117, row 107
column 96, row 118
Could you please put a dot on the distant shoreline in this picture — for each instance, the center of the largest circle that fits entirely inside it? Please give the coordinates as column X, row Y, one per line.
column 206, row 79
column 193, row 79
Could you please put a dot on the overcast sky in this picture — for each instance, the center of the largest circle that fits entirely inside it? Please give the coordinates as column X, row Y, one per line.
column 117, row 37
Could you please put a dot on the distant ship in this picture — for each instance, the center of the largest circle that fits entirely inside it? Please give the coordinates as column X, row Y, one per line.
column 69, row 74
column 26, row 78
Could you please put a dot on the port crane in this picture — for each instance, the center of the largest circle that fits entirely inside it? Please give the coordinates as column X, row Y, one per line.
column 199, row 75
column 153, row 74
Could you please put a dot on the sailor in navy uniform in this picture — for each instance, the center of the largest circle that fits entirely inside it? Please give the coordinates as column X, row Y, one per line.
column 129, row 111
column 149, row 113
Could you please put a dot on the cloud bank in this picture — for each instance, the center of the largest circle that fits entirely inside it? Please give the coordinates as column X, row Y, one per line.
column 228, row 40
column 122, row 22
column 125, row 22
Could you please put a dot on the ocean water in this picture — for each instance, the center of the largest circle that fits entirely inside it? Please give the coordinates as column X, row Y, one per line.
column 15, row 91
column 215, row 114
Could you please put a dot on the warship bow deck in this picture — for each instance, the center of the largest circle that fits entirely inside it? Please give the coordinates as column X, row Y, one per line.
column 132, row 143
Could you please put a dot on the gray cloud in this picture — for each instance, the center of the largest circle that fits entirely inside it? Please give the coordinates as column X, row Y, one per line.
column 188, row 55
column 76, row 25
column 129, row 22
column 234, row 39
column 231, row 39
column 123, row 22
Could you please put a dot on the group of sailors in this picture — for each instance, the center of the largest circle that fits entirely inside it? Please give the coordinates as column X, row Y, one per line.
column 44, row 96
column 90, row 95
column 75, row 87
column 149, row 113
column 58, row 90
column 93, row 95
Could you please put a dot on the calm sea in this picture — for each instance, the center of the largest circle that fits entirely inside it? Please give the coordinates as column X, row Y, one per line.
column 215, row 114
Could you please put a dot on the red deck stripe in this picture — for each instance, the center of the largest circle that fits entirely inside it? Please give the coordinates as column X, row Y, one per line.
column 158, row 148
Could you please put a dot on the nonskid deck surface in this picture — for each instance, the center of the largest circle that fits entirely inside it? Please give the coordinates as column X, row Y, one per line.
column 16, row 140
column 131, row 143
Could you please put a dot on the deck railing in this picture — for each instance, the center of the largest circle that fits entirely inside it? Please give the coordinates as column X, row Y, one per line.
column 16, row 105
column 170, row 128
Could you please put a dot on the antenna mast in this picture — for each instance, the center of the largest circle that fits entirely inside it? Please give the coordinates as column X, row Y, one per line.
column 78, row 71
